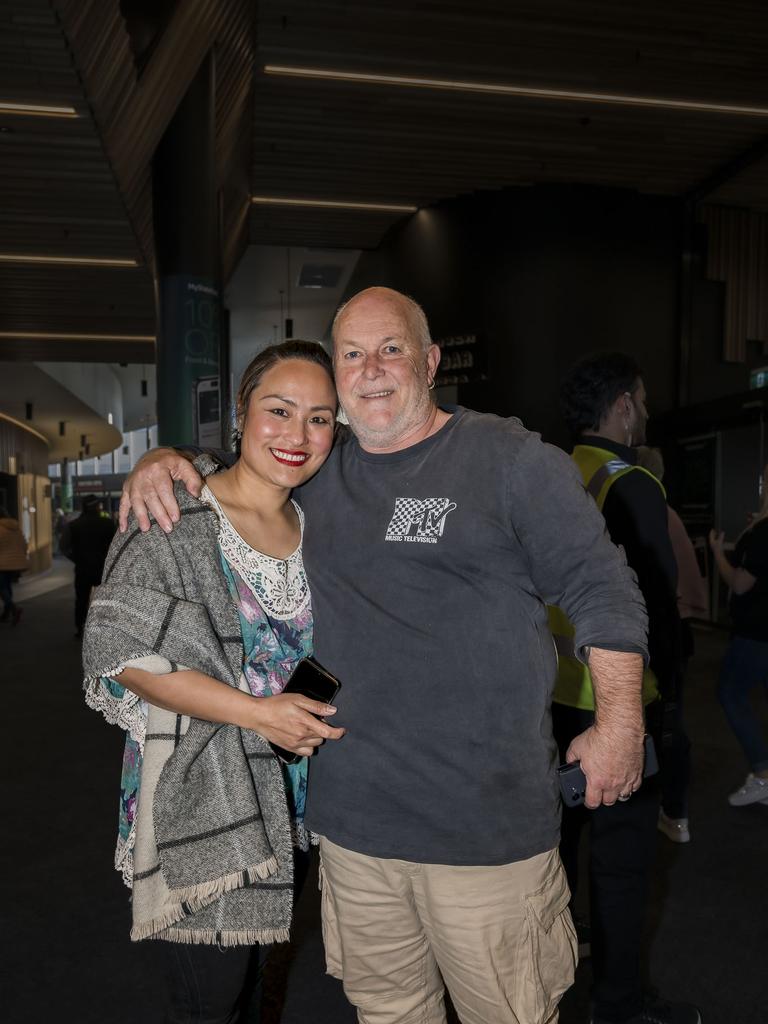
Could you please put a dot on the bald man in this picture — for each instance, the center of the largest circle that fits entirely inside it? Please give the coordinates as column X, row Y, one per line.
column 434, row 539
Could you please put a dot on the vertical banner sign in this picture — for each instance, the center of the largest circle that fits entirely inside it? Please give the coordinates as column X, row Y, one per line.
column 188, row 392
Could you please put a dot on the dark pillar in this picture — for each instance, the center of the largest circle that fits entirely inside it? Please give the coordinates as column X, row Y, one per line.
column 188, row 280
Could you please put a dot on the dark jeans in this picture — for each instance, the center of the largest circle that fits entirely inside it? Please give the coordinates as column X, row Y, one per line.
column 208, row 984
column 217, row 985
column 745, row 667
column 6, row 591
column 622, row 842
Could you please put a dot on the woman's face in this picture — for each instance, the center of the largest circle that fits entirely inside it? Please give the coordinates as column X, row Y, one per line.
column 289, row 423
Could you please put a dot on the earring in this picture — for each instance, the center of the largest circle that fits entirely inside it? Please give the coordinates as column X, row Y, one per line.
column 431, row 384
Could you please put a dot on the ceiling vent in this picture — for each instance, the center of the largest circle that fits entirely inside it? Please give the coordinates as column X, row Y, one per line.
column 315, row 275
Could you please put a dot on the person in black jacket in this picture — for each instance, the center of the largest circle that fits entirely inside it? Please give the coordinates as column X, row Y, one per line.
column 603, row 401
column 85, row 541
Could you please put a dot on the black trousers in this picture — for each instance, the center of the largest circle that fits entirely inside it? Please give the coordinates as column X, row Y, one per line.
column 208, row 984
column 217, row 985
column 622, row 844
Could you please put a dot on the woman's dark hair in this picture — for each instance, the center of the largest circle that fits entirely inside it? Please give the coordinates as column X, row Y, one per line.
column 309, row 351
column 593, row 385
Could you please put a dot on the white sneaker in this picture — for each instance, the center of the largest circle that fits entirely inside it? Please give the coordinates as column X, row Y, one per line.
column 753, row 791
column 675, row 829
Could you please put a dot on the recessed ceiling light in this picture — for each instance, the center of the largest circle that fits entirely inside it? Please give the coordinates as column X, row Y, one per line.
column 60, row 336
column 69, row 261
column 36, row 110
column 499, row 89
column 333, row 204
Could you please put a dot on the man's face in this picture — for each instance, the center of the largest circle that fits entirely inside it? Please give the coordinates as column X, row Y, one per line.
column 637, row 414
column 382, row 373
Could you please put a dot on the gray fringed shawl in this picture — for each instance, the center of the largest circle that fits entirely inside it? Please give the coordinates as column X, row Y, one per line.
column 213, row 861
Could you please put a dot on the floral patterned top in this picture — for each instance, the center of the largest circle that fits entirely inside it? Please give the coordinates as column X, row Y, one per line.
column 275, row 611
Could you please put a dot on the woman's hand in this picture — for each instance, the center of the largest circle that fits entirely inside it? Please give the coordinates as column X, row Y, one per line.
column 288, row 719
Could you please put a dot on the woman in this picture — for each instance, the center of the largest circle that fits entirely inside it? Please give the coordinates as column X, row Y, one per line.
column 189, row 643
column 13, row 562
column 745, row 665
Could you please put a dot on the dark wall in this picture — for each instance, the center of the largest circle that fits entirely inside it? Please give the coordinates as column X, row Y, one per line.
column 546, row 274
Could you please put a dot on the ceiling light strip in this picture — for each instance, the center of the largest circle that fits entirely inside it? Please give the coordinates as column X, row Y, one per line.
column 73, row 261
column 36, row 110
column 24, row 426
column 332, row 204
column 498, row 89
column 58, row 336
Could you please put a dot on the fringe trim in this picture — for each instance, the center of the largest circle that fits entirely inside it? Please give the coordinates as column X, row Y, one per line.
column 210, row 937
column 197, row 897
column 149, row 929
column 200, row 895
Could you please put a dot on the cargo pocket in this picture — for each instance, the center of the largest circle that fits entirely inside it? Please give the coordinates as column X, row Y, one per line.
column 552, row 947
column 330, row 924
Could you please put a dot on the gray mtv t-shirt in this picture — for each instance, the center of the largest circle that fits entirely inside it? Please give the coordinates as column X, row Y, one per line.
column 429, row 570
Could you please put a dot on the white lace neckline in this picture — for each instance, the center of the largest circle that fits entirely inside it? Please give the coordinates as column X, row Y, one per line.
column 279, row 584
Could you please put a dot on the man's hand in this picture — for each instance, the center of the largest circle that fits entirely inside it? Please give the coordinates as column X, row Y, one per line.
column 613, row 765
column 611, row 751
column 149, row 488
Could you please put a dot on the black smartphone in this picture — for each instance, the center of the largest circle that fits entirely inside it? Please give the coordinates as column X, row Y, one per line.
column 573, row 782
column 310, row 679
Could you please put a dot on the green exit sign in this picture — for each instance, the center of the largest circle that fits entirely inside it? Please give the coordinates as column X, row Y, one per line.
column 759, row 378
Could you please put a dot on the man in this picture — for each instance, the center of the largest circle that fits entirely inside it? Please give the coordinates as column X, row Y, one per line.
column 603, row 401
column 85, row 541
column 433, row 540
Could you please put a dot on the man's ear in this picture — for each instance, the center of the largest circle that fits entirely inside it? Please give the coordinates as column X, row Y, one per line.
column 433, row 360
column 620, row 407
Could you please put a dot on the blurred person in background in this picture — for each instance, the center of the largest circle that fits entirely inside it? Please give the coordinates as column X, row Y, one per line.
column 85, row 541
column 745, row 665
column 692, row 603
column 13, row 562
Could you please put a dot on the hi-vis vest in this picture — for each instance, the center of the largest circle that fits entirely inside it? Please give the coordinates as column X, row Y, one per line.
column 600, row 469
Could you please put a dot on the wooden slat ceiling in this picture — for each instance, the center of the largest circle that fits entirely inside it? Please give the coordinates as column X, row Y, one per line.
column 81, row 187
column 59, row 196
column 343, row 140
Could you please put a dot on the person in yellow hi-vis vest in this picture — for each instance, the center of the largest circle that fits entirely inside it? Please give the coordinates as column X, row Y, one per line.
column 603, row 399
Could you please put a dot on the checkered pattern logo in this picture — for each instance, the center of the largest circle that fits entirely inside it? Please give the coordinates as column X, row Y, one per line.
column 419, row 519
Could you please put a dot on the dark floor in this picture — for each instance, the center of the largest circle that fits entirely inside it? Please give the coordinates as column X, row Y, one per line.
column 65, row 912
